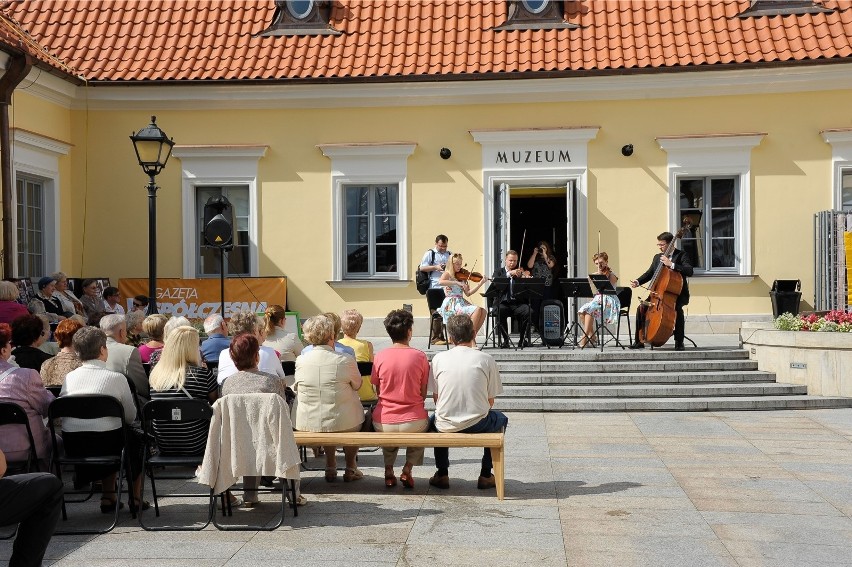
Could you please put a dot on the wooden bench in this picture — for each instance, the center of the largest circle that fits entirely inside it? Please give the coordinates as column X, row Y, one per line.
column 493, row 441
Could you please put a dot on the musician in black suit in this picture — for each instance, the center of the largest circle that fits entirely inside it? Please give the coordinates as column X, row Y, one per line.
column 507, row 305
column 679, row 262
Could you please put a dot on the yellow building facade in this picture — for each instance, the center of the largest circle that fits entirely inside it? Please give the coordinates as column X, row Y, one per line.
column 294, row 160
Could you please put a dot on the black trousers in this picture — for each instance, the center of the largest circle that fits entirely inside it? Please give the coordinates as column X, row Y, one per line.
column 679, row 328
column 33, row 501
column 517, row 310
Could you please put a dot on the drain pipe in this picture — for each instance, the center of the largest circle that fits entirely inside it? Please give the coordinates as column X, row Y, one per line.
column 17, row 68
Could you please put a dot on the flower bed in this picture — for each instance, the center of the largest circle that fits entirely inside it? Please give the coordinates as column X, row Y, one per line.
column 831, row 322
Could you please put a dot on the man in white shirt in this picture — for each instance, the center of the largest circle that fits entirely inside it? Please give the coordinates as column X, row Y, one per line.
column 465, row 382
column 433, row 263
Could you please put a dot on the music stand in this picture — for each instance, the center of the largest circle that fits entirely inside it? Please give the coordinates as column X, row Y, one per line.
column 601, row 284
column 574, row 288
column 495, row 291
column 527, row 288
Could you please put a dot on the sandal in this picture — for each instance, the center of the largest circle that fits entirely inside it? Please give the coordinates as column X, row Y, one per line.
column 108, row 506
column 236, row 501
column 406, row 479
column 390, row 480
column 301, row 500
column 331, row 475
column 351, row 475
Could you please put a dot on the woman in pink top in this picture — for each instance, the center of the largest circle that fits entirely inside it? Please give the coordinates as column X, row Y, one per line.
column 400, row 375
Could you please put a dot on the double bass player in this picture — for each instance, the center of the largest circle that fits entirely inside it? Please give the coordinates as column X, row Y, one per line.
column 679, row 262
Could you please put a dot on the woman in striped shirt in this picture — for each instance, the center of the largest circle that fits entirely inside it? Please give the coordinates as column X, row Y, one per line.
column 179, row 374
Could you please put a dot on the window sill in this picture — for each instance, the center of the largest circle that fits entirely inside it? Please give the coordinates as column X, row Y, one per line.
column 372, row 282
column 722, row 279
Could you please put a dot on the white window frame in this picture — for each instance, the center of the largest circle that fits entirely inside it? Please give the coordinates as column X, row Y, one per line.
column 36, row 156
column 368, row 164
column 711, row 156
column 840, row 140
column 217, row 166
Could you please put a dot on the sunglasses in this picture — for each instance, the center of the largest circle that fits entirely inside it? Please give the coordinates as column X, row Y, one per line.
column 137, row 304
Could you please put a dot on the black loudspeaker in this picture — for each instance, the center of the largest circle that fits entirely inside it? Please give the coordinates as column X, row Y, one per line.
column 218, row 230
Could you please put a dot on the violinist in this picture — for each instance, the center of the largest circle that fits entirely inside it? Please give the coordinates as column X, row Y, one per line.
column 457, row 288
column 599, row 308
column 509, row 306
column 679, row 262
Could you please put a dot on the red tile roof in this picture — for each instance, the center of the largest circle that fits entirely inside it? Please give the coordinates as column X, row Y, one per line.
column 14, row 37
column 215, row 40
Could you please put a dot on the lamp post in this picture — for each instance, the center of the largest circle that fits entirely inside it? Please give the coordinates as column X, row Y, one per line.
column 153, row 149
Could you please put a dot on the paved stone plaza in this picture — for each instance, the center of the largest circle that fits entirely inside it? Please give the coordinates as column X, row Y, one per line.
column 691, row 489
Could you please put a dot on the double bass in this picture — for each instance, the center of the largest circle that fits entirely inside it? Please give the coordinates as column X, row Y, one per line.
column 659, row 306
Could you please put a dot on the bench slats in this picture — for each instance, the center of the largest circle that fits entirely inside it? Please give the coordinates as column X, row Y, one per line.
column 380, row 439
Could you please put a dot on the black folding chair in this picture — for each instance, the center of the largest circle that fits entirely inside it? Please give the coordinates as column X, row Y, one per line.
column 12, row 414
column 157, row 417
column 89, row 407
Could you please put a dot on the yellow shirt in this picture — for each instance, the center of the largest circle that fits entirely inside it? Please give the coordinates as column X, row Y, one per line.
column 363, row 353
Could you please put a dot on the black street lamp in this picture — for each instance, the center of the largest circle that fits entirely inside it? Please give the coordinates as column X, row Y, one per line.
column 153, row 149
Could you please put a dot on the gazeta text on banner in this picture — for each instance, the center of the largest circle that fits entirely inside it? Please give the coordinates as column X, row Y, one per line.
column 199, row 298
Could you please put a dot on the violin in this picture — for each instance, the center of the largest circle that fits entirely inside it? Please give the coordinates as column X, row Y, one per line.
column 466, row 275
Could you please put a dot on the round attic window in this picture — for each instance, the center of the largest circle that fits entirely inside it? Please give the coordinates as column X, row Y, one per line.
column 535, row 6
column 300, row 9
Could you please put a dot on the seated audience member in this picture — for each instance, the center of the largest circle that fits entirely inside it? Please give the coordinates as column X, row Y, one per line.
column 79, row 435
column 249, row 379
column 69, row 301
column 24, row 387
column 28, row 334
column 350, row 322
column 466, row 381
column 45, row 304
column 248, row 322
column 338, row 346
column 93, row 304
column 179, row 374
column 32, row 501
column 112, row 301
column 287, row 345
column 123, row 358
column 172, row 323
column 153, row 326
column 140, row 303
column 401, row 376
column 54, row 370
column 326, row 387
column 217, row 338
column 10, row 309
column 134, row 320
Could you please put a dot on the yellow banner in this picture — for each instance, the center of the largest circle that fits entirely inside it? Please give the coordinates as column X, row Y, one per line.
column 198, row 298
column 847, row 242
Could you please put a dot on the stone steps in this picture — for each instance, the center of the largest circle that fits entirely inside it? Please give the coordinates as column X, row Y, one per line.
column 654, row 390
column 591, row 378
column 562, row 380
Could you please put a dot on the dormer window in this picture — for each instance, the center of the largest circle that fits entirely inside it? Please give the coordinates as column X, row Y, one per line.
column 300, row 9
column 535, row 15
column 783, row 8
column 301, row 17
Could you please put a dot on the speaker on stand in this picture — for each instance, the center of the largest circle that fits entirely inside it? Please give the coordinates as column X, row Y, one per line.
column 219, row 233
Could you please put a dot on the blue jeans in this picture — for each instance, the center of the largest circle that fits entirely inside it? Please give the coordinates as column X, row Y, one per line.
column 494, row 422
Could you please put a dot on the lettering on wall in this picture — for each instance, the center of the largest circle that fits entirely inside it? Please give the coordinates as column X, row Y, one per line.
column 533, row 156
